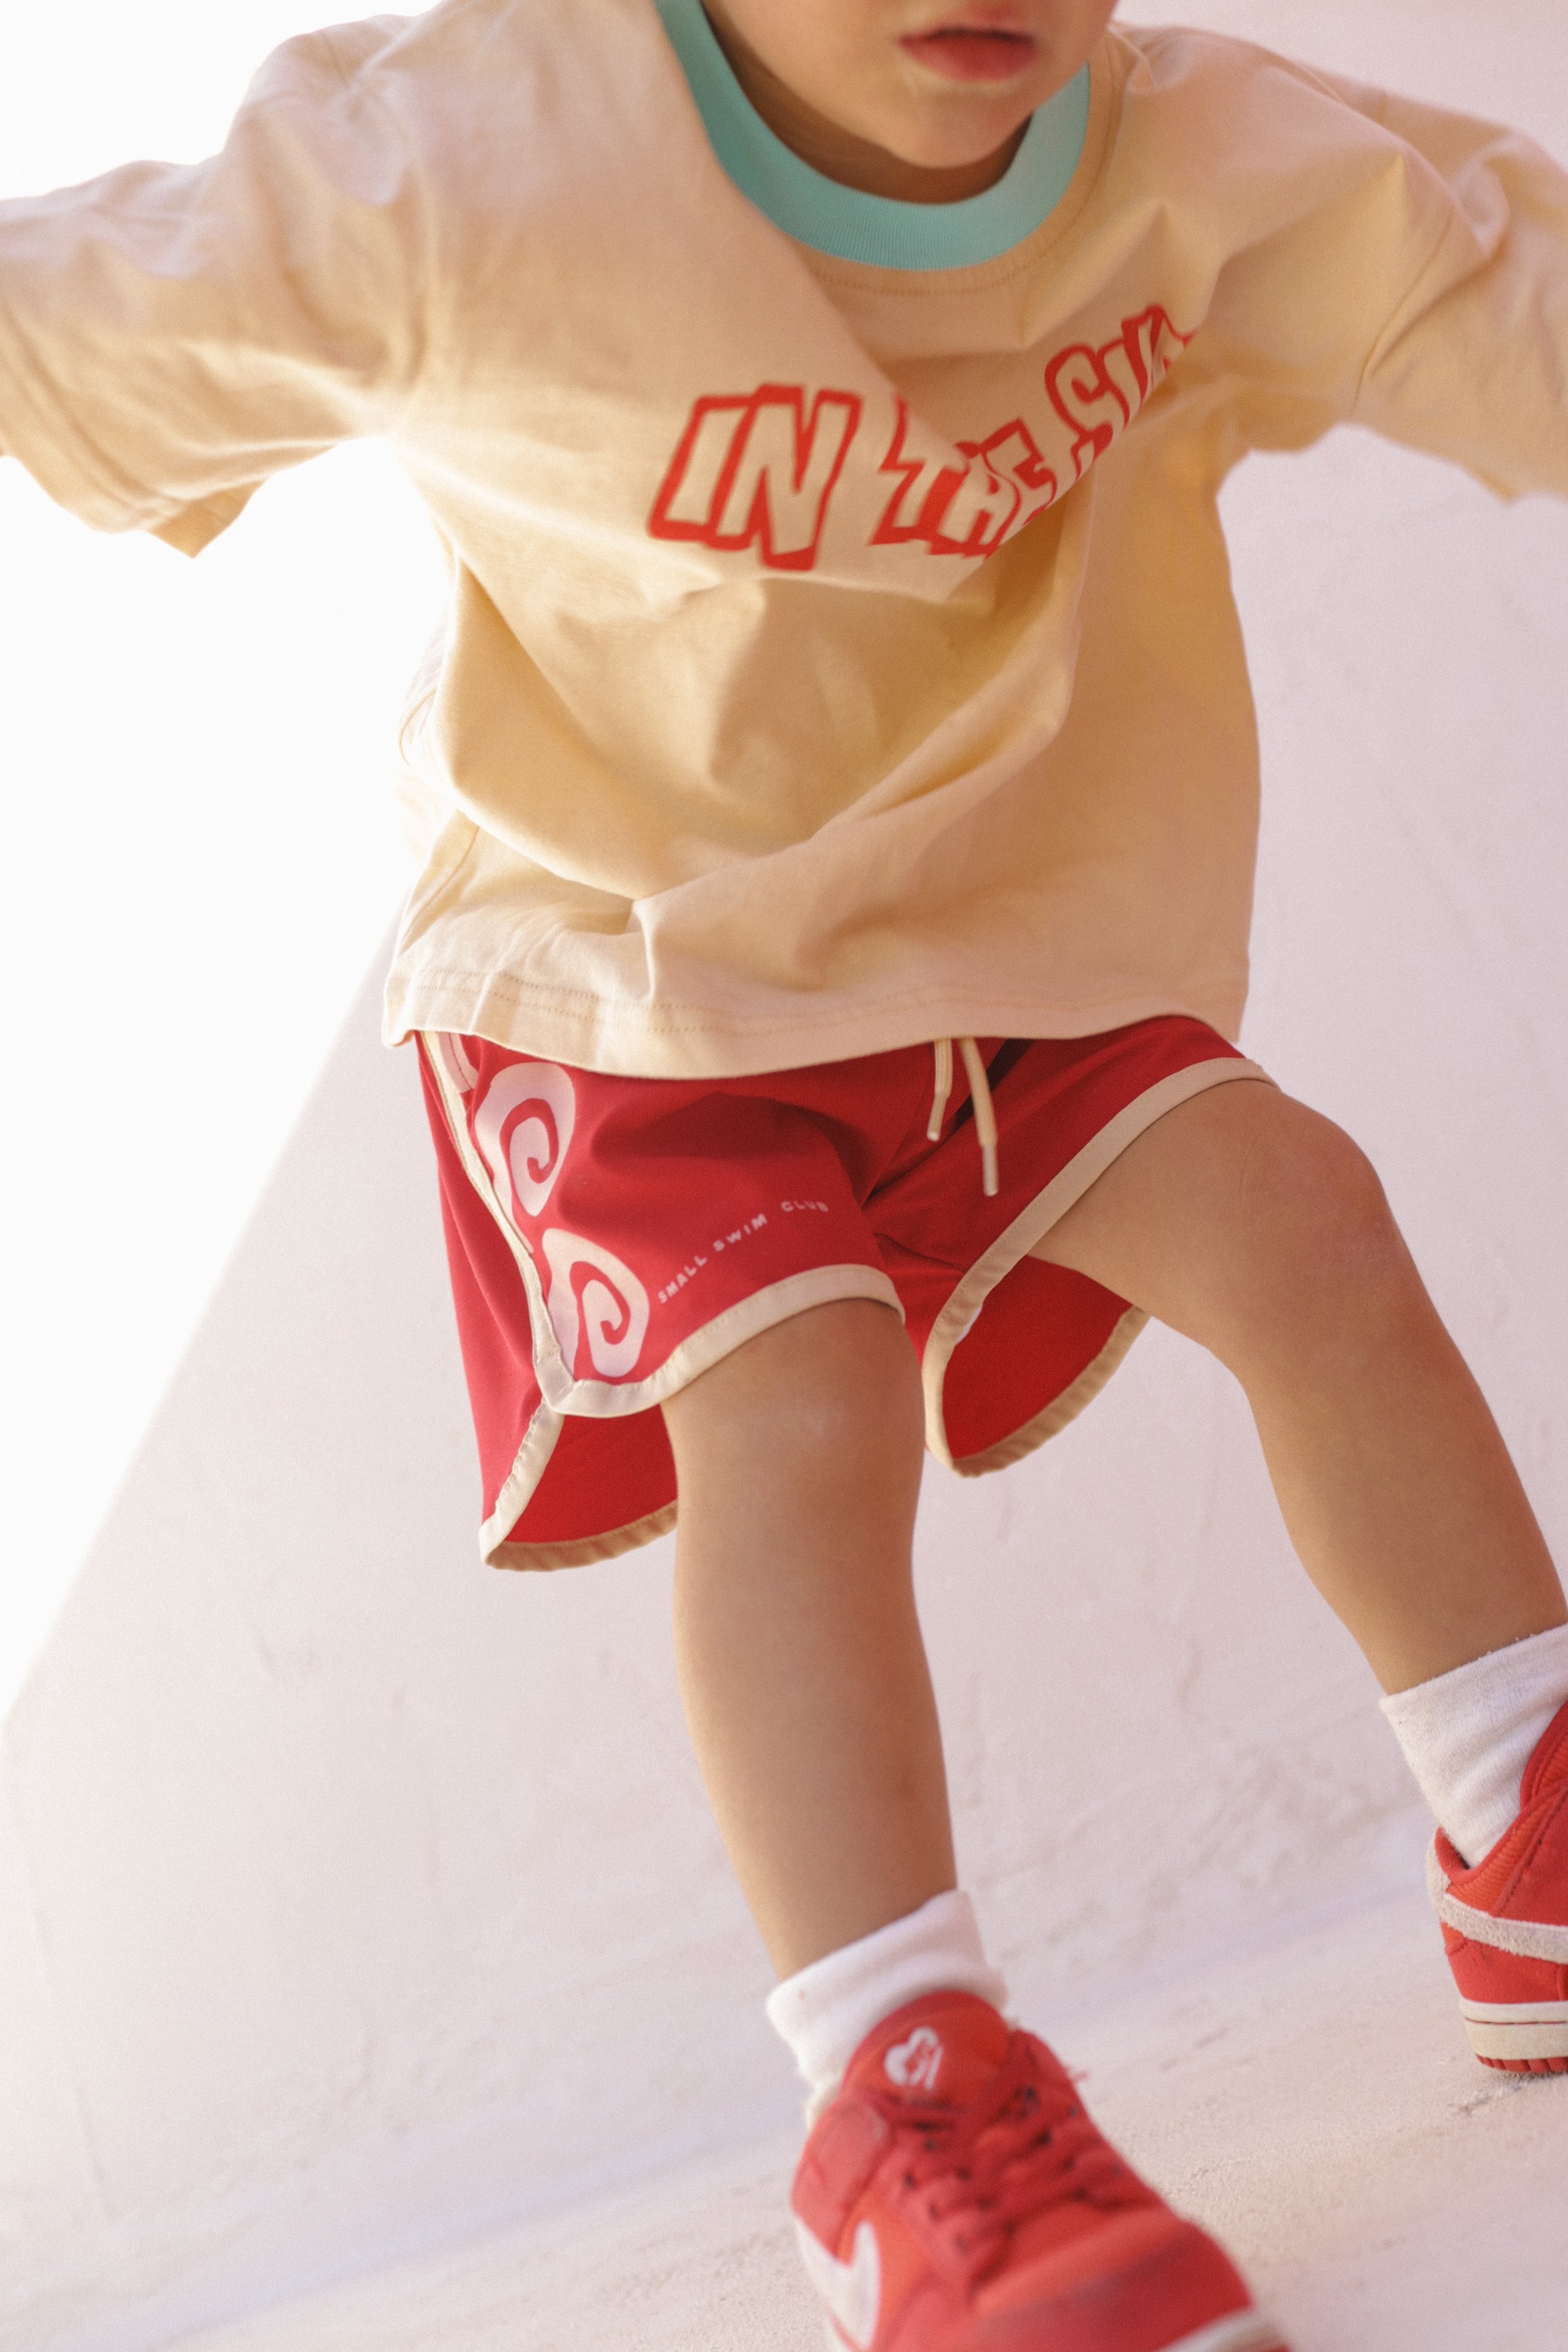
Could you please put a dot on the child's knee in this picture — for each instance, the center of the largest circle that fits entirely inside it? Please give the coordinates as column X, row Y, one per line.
column 1315, row 1239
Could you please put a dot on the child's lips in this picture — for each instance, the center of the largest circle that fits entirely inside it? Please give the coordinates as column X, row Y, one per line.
column 971, row 52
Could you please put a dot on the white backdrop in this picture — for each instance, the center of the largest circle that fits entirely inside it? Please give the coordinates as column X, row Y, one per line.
column 199, row 851
column 352, row 1897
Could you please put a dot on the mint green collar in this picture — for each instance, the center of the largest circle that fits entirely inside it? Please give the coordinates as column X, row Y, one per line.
column 847, row 223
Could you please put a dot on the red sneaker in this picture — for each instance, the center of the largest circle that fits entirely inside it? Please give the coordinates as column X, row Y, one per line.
column 955, row 2198
column 1505, row 1923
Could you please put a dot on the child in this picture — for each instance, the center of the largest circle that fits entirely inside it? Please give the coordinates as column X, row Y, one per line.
column 841, row 779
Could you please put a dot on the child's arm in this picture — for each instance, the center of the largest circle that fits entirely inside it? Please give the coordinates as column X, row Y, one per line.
column 1390, row 264
column 170, row 336
column 1473, row 365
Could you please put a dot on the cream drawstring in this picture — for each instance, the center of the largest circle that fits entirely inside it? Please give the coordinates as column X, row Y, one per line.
column 980, row 1095
column 943, row 1049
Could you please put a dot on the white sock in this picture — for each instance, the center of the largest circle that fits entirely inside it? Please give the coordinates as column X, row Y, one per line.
column 1468, row 1735
column 826, row 2010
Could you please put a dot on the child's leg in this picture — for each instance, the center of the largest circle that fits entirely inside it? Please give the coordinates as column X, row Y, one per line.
column 1256, row 1227
column 952, row 2187
column 800, row 1662
column 1242, row 1219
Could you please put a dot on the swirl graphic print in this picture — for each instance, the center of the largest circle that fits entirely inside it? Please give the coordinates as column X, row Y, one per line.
column 523, row 1129
column 593, row 1293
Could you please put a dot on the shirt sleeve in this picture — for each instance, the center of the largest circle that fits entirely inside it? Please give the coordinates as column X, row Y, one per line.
column 1473, row 364
column 170, row 336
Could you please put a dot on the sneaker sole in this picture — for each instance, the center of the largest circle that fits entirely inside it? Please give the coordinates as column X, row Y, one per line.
column 1243, row 2331
column 1531, row 2036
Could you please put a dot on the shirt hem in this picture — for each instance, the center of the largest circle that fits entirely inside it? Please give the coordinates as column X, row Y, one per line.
column 685, row 1041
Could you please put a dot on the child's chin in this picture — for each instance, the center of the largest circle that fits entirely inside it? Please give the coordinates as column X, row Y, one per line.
column 946, row 146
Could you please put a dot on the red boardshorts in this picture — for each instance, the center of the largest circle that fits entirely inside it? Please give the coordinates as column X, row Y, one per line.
column 611, row 1237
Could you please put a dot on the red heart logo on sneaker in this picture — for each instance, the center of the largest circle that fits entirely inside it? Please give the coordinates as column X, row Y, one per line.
column 915, row 2064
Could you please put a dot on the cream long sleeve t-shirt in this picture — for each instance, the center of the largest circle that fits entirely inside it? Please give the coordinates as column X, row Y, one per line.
column 839, row 656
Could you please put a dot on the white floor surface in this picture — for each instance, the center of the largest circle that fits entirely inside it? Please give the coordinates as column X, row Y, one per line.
column 1315, row 2104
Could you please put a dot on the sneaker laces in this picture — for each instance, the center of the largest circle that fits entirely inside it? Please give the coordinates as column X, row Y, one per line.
column 973, row 2173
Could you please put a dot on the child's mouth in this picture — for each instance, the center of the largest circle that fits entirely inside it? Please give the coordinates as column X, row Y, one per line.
column 972, row 52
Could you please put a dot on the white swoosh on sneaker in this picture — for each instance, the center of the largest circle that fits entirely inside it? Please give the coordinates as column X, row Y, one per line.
column 852, row 2290
column 1527, row 1940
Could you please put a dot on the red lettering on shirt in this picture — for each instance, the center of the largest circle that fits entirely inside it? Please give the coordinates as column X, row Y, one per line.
column 1097, row 392
column 755, row 470
column 760, row 468
column 964, row 510
column 1013, row 450
column 908, row 513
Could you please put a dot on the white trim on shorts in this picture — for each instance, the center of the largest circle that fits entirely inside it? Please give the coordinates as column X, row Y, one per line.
column 1022, row 1238
column 562, row 1395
